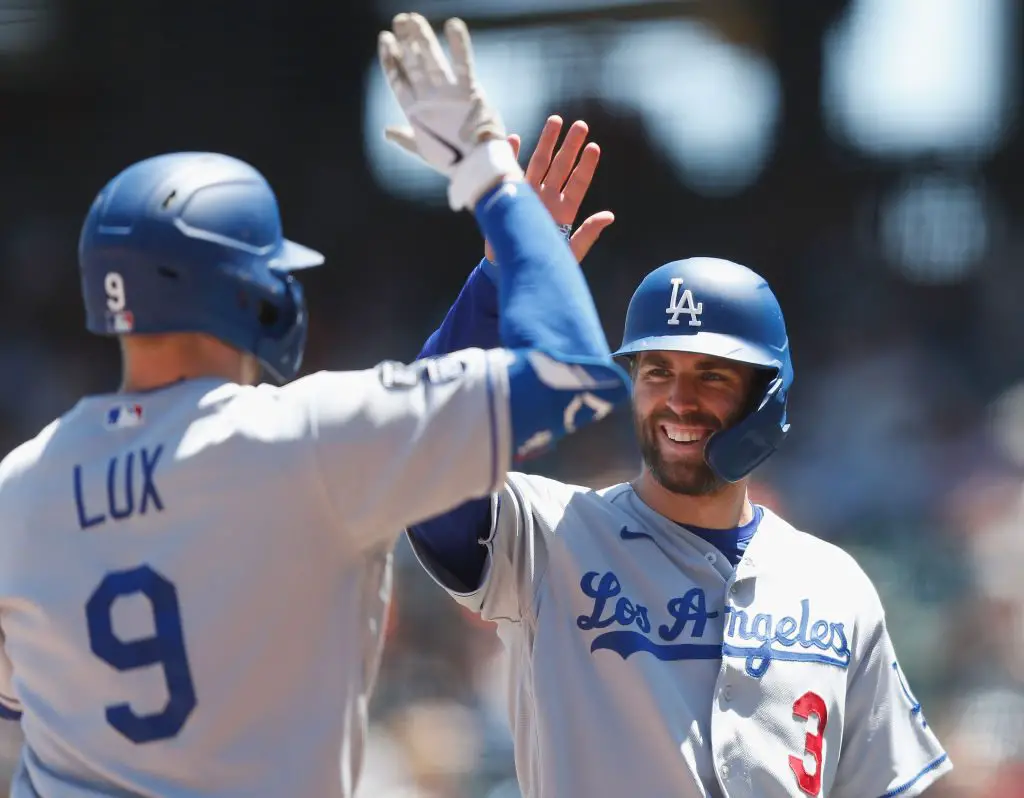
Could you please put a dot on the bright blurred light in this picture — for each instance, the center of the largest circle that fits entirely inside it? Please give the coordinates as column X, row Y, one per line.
column 935, row 229
column 905, row 76
column 711, row 106
column 1007, row 424
column 511, row 68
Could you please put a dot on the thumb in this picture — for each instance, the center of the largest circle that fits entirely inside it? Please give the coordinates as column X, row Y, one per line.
column 515, row 142
column 404, row 137
column 588, row 233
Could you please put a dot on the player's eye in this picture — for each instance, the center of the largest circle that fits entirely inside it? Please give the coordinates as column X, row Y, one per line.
column 714, row 376
column 658, row 372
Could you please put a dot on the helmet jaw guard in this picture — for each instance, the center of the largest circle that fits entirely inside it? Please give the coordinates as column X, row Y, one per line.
column 722, row 309
column 192, row 242
column 281, row 346
column 734, row 452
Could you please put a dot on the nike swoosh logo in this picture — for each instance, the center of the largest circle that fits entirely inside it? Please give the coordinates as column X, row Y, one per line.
column 456, row 154
column 626, row 534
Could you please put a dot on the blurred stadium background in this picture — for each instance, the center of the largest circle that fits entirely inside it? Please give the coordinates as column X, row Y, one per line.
column 867, row 156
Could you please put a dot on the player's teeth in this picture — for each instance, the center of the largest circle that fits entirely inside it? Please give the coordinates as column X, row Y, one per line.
column 683, row 436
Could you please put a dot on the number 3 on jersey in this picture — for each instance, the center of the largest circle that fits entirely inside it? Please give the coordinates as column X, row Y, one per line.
column 166, row 648
column 805, row 706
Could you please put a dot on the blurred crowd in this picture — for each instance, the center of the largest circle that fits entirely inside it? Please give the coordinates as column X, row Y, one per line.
column 907, row 445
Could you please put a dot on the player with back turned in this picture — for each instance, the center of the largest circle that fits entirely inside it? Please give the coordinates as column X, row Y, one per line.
column 667, row 636
column 194, row 570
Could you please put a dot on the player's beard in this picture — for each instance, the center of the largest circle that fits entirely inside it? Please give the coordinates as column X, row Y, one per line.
column 688, row 478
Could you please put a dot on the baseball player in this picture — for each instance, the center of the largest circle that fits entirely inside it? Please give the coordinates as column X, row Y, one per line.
column 194, row 570
column 667, row 637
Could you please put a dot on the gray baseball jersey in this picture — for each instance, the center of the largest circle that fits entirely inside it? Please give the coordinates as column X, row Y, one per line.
column 643, row 663
column 193, row 581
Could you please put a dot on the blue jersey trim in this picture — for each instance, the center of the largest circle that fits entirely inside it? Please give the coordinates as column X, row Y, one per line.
column 492, row 413
column 763, row 652
column 731, row 542
column 9, row 714
column 924, row 771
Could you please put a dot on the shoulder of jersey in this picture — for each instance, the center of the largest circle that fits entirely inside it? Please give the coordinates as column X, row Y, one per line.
column 255, row 406
column 541, row 488
column 265, row 412
column 26, row 454
column 833, row 563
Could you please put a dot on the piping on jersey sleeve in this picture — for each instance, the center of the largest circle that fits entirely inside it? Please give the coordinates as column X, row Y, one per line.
column 885, row 732
column 500, row 416
column 474, row 598
column 930, row 772
column 10, row 707
column 498, row 594
column 525, row 566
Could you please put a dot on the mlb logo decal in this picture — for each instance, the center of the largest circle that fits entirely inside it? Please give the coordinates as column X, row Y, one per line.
column 121, row 321
column 124, row 416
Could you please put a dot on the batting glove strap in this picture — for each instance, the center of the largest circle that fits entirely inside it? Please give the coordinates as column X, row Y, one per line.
column 486, row 165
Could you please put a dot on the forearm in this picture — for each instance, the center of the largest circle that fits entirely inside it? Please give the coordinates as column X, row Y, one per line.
column 543, row 299
column 452, row 541
column 559, row 321
column 472, row 321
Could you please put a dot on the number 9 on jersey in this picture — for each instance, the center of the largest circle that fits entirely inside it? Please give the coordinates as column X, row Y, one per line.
column 165, row 648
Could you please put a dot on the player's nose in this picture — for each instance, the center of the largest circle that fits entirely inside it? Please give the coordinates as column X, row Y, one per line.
column 682, row 398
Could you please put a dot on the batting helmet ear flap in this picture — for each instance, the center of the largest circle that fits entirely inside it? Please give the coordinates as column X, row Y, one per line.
column 734, row 452
column 283, row 327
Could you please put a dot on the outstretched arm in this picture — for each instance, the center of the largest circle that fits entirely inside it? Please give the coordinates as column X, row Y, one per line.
column 553, row 372
column 398, row 443
column 561, row 179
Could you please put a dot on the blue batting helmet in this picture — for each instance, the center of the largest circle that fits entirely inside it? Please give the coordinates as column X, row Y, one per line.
column 192, row 242
column 716, row 307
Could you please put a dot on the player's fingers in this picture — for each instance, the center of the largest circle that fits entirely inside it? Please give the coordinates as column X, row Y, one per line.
column 435, row 62
column 389, row 53
column 461, row 47
column 515, row 142
column 566, row 156
column 407, row 32
column 541, row 158
column 404, row 137
column 588, row 233
column 582, row 176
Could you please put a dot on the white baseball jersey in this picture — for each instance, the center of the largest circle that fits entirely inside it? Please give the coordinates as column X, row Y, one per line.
column 642, row 663
column 193, row 581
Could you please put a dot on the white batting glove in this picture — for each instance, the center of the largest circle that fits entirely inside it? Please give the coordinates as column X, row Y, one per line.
column 451, row 125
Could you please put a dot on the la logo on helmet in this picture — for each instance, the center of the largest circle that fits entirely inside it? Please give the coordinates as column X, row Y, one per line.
column 682, row 302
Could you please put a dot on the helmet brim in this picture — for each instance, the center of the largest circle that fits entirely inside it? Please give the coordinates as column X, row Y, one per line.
column 727, row 347
column 293, row 257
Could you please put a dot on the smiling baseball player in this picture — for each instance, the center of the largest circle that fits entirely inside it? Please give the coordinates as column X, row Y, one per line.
column 667, row 637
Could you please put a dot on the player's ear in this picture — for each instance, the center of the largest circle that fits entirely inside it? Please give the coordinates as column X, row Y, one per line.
column 251, row 370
